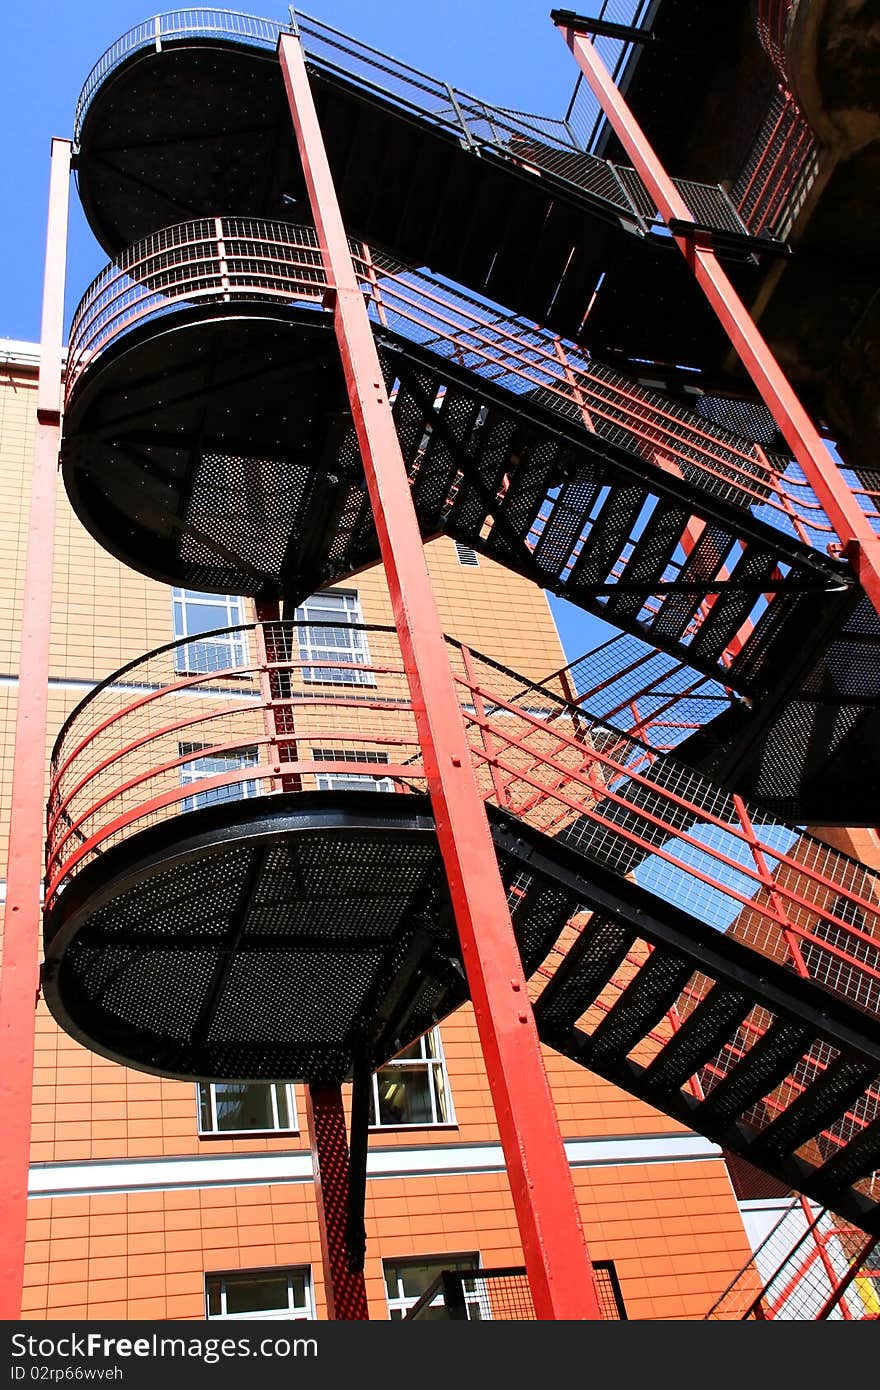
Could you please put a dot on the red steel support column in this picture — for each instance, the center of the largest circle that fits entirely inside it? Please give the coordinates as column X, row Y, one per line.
column 560, row 1274
column 18, row 976
column 345, row 1288
column 860, row 545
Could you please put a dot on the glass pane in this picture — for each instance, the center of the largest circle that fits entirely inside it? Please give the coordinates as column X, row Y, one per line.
column 440, row 1096
column 417, row 1277
column 285, row 1122
column 202, row 617
column 257, row 1294
column 404, row 1096
column 214, row 1306
column 245, row 1106
column 206, row 1121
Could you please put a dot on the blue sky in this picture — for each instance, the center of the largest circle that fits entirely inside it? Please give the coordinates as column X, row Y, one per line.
column 505, row 51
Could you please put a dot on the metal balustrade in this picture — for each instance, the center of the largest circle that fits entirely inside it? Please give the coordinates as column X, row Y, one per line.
column 273, row 703
column 810, row 1266
column 246, row 260
column 552, row 145
column 772, row 20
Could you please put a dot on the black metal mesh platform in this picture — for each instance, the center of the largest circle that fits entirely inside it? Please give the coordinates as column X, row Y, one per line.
column 258, row 943
column 267, row 939
column 157, row 145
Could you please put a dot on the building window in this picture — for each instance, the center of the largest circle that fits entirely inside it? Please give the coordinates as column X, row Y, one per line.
column 413, row 1089
column 194, row 613
column 209, row 766
column 260, row 1293
column 350, row 781
column 247, row 1107
column 466, row 555
column 331, row 634
column 407, row 1280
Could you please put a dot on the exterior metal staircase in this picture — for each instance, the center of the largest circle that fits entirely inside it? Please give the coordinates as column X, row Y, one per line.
column 408, row 154
column 252, row 923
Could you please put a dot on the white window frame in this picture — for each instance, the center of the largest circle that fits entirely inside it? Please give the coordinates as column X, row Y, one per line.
column 435, row 1066
column 401, row 1302
column 467, row 556
column 293, row 1313
column 187, row 658
column 351, row 781
column 191, row 773
column 276, row 1128
column 333, row 608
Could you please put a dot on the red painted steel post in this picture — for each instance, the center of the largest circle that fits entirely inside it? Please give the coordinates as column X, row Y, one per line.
column 559, row 1270
column 860, row 545
column 19, row 974
column 345, row 1288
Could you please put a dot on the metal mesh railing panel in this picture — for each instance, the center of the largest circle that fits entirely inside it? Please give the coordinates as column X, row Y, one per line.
column 503, row 1295
column 798, row 1268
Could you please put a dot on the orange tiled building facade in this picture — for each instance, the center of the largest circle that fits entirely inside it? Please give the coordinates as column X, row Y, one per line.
column 160, row 1199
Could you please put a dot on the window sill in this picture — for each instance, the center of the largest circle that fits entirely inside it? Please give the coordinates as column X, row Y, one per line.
column 408, row 1129
column 249, row 1133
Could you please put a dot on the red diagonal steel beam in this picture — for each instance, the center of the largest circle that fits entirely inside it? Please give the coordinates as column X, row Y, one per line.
column 18, row 977
column 859, row 543
column 559, row 1270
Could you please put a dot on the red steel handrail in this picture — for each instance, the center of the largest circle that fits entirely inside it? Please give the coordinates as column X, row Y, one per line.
column 161, row 737
column 772, row 19
column 236, row 259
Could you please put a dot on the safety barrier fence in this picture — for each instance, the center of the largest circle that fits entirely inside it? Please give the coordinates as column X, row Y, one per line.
column 501, row 1295
column 811, row 1266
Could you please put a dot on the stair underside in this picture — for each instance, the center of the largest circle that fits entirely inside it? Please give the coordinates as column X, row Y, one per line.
column 281, row 938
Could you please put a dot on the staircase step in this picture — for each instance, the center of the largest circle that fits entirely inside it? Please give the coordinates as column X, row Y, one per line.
column 611, row 530
column 857, row 1161
column 730, row 609
column 823, row 1101
column 538, row 918
column 589, row 964
column 646, row 566
column 563, row 528
column 765, row 1065
column 643, row 1004
column 701, row 1036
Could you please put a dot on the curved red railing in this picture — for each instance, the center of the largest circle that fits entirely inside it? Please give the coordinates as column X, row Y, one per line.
column 783, row 162
column 241, row 711
column 221, row 260
column 263, row 709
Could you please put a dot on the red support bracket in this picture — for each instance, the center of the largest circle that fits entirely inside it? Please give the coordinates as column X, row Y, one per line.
column 559, row 1270
column 18, row 977
column 860, row 544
